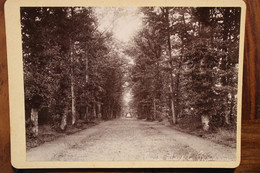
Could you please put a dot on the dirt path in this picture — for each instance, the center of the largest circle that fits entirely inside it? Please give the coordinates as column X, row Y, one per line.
column 128, row 140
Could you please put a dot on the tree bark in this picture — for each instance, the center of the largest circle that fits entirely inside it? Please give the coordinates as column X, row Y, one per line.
column 111, row 110
column 86, row 113
column 99, row 110
column 174, row 120
column 86, row 59
column 229, row 114
column 87, row 79
column 94, row 110
column 177, row 83
column 154, row 109
column 73, row 101
column 63, row 124
column 34, row 119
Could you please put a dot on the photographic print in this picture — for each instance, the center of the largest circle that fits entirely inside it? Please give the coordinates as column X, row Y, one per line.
column 127, row 85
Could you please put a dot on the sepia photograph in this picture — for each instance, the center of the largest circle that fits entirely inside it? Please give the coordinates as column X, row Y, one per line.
column 131, row 83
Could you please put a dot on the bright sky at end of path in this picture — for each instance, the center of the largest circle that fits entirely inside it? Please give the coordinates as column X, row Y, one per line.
column 127, row 96
column 123, row 22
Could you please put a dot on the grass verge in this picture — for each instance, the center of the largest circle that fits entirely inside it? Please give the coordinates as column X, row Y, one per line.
column 224, row 136
column 48, row 133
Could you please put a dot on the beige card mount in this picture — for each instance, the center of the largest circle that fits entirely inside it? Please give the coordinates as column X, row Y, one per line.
column 125, row 83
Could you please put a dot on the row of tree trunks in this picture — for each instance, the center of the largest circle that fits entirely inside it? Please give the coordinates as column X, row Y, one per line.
column 152, row 112
column 65, row 61
column 63, row 122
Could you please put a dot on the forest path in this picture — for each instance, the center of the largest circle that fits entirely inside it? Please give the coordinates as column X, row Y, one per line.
column 129, row 140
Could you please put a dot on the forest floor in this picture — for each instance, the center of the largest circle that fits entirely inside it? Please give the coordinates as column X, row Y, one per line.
column 130, row 140
column 47, row 133
column 222, row 136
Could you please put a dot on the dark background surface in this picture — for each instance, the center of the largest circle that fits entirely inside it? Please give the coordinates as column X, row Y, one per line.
column 250, row 156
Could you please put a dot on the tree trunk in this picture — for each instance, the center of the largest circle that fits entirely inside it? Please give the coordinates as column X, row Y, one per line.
column 174, row 121
column 34, row 119
column 63, row 123
column 177, row 83
column 227, row 114
column 148, row 109
column 87, row 76
column 99, row 111
column 87, row 79
column 94, row 110
column 86, row 114
column 154, row 109
column 231, row 116
column 227, row 121
column 111, row 110
column 108, row 111
column 146, row 112
column 172, row 106
column 177, row 95
column 73, row 101
column 205, row 122
column 111, row 113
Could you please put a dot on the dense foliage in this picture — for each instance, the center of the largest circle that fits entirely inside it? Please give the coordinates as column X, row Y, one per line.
column 70, row 67
column 187, row 65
